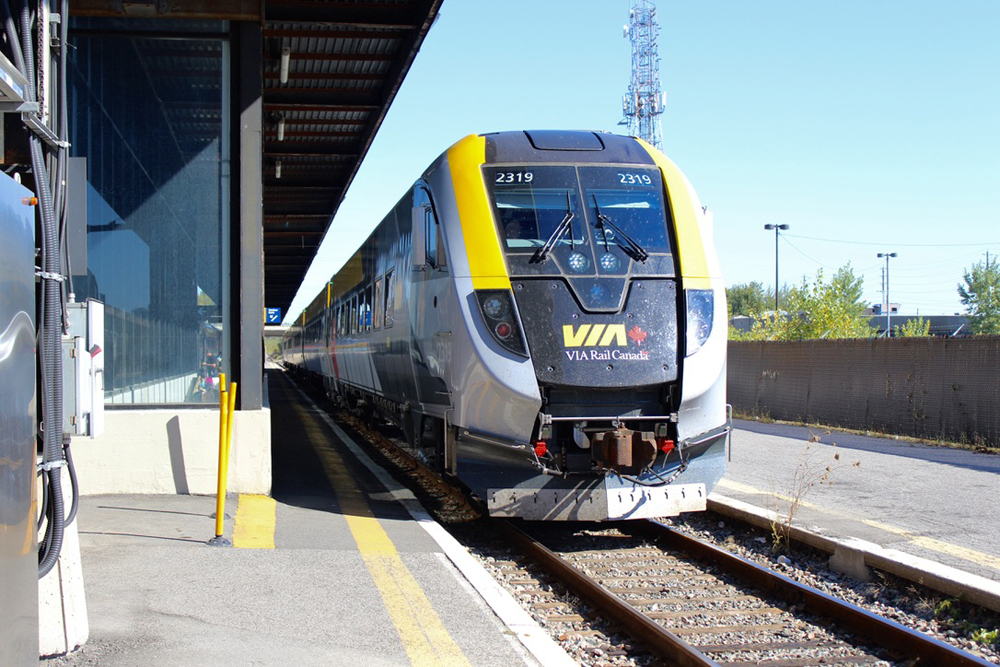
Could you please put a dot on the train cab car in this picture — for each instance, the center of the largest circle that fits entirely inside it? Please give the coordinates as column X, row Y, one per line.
column 544, row 316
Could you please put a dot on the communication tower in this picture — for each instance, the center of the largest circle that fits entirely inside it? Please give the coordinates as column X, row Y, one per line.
column 644, row 102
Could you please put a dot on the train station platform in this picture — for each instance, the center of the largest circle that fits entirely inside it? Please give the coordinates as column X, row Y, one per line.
column 339, row 566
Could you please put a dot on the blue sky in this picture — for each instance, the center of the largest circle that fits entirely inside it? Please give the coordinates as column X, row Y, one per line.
column 867, row 126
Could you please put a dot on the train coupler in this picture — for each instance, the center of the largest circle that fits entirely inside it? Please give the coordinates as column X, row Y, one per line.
column 626, row 451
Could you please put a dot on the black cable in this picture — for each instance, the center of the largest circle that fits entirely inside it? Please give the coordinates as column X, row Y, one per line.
column 73, row 482
column 51, row 312
column 12, row 37
column 43, row 510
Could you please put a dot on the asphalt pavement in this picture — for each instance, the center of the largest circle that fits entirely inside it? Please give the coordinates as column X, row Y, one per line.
column 935, row 502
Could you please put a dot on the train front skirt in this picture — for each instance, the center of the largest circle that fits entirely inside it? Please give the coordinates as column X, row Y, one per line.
column 524, row 493
column 597, row 504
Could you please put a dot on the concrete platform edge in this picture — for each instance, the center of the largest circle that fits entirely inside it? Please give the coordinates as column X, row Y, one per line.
column 943, row 578
column 532, row 637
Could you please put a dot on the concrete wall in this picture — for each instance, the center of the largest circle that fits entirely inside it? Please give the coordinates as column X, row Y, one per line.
column 174, row 451
column 924, row 387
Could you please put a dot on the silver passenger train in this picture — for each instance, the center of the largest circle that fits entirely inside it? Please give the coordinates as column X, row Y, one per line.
column 544, row 317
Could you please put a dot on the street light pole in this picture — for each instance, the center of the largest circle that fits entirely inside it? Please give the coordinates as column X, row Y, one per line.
column 776, row 229
column 888, row 306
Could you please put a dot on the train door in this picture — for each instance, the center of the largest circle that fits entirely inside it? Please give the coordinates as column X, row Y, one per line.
column 432, row 309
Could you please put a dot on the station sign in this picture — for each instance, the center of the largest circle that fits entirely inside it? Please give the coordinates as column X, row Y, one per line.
column 272, row 316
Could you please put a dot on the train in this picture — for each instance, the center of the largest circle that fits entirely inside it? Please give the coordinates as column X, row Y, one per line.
column 543, row 316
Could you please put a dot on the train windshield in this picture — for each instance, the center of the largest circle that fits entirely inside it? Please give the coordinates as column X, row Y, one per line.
column 585, row 221
column 630, row 200
column 533, row 204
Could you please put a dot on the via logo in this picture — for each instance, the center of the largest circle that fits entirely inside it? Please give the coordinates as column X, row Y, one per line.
column 594, row 335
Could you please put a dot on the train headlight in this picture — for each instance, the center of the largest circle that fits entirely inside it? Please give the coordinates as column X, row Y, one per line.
column 501, row 320
column 578, row 262
column 609, row 262
column 494, row 307
column 700, row 309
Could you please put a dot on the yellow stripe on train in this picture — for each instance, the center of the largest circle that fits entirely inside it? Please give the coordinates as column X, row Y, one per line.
column 690, row 245
column 486, row 263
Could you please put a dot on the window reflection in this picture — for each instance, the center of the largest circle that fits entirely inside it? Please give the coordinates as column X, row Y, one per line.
column 147, row 129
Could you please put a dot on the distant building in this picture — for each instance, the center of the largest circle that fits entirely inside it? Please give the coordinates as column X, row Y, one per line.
column 944, row 326
column 876, row 309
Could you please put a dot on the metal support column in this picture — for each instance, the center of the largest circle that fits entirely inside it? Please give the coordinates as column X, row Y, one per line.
column 247, row 245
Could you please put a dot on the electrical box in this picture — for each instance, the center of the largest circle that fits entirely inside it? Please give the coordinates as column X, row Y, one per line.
column 83, row 370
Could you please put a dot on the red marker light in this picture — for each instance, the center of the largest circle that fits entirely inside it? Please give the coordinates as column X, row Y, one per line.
column 541, row 448
column 503, row 330
column 665, row 444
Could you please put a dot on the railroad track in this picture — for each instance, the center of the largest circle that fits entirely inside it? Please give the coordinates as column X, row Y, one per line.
column 691, row 603
column 685, row 601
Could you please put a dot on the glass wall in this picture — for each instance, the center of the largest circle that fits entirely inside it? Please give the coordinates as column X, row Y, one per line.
column 149, row 119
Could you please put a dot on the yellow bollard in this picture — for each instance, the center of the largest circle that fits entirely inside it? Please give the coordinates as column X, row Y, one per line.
column 230, row 414
column 220, row 499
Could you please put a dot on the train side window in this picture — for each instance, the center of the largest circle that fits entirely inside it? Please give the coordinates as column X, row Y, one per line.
column 433, row 242
column 377, row 304
column 390, row 297
column 430, row 235
column 362, row 311
column 366, row 309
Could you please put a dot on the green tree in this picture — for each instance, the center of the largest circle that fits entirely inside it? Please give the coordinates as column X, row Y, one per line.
column 915, row 328
column 981, row 297
column 748, row 299
column 820, row 310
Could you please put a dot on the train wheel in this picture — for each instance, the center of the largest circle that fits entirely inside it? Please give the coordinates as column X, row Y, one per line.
column 410, row 431
column 431, row 443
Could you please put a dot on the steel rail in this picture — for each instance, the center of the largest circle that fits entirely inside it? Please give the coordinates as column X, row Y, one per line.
column 885, row 633
column 890, row 635
column 657, row 639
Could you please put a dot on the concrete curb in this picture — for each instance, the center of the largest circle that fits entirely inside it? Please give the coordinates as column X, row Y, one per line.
column 853, row 557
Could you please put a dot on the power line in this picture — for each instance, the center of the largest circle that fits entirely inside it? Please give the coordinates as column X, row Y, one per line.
column 815, row 261
column 908, row 245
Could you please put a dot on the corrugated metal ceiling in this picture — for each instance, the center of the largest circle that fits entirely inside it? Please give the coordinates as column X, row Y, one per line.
column 346, row 61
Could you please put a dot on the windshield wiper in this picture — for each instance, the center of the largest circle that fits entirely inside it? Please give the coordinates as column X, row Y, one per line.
column 621, row 239
column 557, row 233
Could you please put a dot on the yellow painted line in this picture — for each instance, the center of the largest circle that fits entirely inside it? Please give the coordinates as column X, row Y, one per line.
column 939, row 546
column 253, row 527
column 482, row 243
column 744, row 488
column 424, row 637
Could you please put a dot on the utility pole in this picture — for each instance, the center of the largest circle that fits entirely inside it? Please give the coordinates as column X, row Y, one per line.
column 643, row 104
column 888, row 304
column 777, row 229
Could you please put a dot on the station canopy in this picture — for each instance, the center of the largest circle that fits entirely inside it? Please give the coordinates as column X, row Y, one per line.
column 345, row 63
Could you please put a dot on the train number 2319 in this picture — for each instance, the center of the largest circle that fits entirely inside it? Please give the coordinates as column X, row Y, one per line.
column 514, row 177
column 634, row 179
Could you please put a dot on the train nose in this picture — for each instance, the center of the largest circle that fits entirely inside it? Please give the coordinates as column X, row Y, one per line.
column 632, row 344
